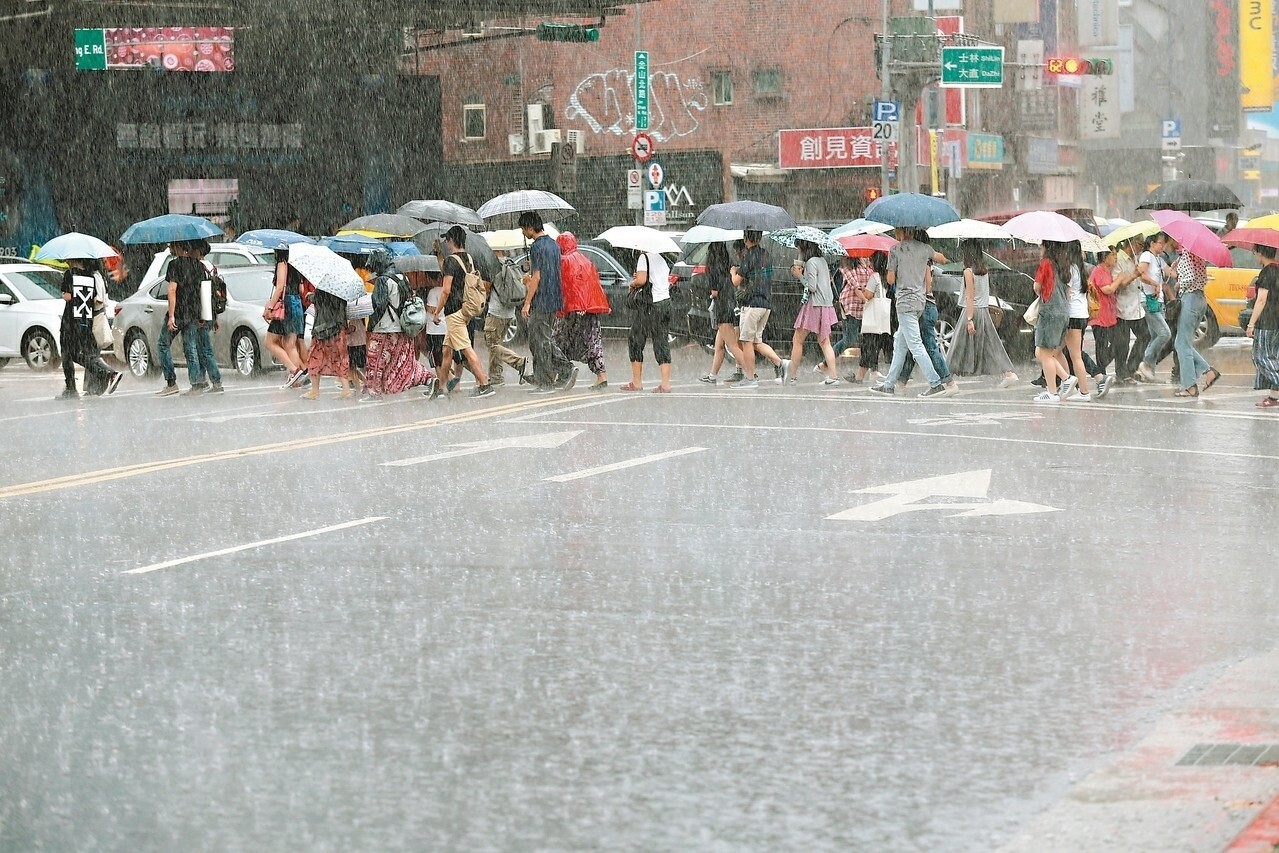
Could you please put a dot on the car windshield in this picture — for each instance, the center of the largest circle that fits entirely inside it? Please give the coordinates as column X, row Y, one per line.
column 1244, row 259
column 37, row 284
column 249, row 288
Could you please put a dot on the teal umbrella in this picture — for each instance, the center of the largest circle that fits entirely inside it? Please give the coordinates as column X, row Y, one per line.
column 912, row 210
column 74, row 245
column 169, row 228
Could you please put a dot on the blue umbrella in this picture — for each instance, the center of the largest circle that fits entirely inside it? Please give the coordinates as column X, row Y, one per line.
column 272, row 238
column 74, row 245
column 400, row 248
column 912, row 210
column 169, row 228
column 353, row 244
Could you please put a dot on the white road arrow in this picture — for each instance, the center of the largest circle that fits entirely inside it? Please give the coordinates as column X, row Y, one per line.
column 543, row 441
column 976, row 419
column 908, row 496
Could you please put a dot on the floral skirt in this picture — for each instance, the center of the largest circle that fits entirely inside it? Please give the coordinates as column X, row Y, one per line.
column 329, row 357
column 580, row 338
column 392, row 365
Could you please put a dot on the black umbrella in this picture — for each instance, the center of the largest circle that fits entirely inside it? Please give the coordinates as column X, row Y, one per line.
column 382, row 225
column 476, row 246
column 746, row 216
column 416, row 263
column 438, row 210
column 1191, row 195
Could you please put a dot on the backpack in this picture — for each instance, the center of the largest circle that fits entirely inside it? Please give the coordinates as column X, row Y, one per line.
column 218, row 287
column 412, row 313
column 472, row 291
column 509, row 285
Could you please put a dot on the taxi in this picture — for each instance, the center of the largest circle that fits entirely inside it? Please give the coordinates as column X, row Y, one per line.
column 1227, row 289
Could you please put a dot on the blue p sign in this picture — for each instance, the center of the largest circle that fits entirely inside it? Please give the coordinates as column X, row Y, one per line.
column 887, row 111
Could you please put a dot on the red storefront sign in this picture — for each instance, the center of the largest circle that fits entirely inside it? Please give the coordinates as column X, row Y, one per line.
column 831, row 148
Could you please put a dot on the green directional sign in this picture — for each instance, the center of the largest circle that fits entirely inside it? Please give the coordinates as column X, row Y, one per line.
column 972, row 67
column 90, row 50
column 641, row 90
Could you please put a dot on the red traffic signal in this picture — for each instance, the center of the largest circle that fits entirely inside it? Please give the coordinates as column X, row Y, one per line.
column 871, row 193
column 1073, row 65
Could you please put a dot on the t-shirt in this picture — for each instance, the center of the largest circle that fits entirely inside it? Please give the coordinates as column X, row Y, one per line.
column 756, row 273
column 434, row 327
column 1131, row 305
column 83, row 290
column 1154, row 270
column 1076, row 296
column 909, row 260
column 187, row 273
column 454, row 266
column 1108, row 305
column 659, row 275
column 1268, row 280
column 544, row 258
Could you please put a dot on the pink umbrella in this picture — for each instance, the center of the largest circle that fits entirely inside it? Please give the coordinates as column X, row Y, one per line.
column 1035, row 226
column 1249, row 237
column 1193, row 236
column 865, row 245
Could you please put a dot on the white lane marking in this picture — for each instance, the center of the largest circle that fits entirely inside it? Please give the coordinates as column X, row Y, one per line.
column 618, row 466
column 543, row 441
column 41, row 414
column 976, row 419
column 606, row 401
column 908, row 496
column 896, row 432
column 168, row 564
column 343, row 406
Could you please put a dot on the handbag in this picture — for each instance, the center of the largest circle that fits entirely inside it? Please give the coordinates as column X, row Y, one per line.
column 1032, row 312
column 101, row 323
column 877, row 316
column 276, row 312
column 1153, row 305
column 640, row 298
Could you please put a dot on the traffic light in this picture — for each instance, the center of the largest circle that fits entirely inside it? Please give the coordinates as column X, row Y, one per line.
column 567, row 32
column 870, row 194
column 1074, row 66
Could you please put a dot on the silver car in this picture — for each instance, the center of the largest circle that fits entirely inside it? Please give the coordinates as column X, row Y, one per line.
column 237, row 343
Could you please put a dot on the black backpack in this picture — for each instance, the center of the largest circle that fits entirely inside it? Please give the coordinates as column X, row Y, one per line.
column 218, row 288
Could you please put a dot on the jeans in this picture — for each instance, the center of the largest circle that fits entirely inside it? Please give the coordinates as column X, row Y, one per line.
column 1159, row 335
column 165, row 347
column 1193, row 365
column 928, row 333
column 549, row 364
column 908, row 339
column 206, row 365
column 852, row 335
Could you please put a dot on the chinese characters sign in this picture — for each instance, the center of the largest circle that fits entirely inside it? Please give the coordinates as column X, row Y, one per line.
column 985, row 151
column 201, row 136
column 831, row 148
column 1099, row 108
column 165, row 48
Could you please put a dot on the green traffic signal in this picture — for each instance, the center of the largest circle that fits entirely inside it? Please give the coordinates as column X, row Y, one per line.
column 567, row 32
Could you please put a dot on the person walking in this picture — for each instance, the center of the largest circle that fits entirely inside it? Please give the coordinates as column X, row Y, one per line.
column 909, row 271
column 285, row 319
column 183, row 276
column 928, row 323
column 579, row 335
column 84, row 295
column 976, row 349
column 543, row 299
column 876, row 323
column 211, row 376
column 1130, row 335
column 753, row 279
column 1076, row 323
column 816, row 315
column 1192, row 277
column 457, row 265
column 1051, row 282
column 1150, row 269
column 390, row 363
column 723, row 309
column 328, row 356
column 497, row 321
column 1102, row 290
column 650, row 303
column 1263, row 328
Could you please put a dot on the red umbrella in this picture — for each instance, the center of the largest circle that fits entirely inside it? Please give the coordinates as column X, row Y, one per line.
column 1193, row 236
column 865, row 245
column 1249, row 237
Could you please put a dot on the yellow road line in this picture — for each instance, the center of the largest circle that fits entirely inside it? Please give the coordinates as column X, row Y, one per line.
column 89, row 478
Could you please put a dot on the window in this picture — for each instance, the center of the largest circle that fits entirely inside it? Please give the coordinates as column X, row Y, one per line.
column 474, row 125
column 722, row 87
column 768, row 82
column 229, row 259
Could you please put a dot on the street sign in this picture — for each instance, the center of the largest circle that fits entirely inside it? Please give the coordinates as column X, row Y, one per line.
column 972, row 67
column 634, row 189
column 655, row 174
column 641, row 90
column 90, row 50
column 1170, row 131
column 884, row 131
column 642, row 147
column 654, row 208
column 889, row 111
column 886, row 120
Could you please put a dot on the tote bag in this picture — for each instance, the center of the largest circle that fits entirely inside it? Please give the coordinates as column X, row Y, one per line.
column 877, row 316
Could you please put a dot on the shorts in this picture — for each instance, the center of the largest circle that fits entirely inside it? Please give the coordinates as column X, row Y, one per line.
column 458, row 334
column 1079, row 323
column 752, row 323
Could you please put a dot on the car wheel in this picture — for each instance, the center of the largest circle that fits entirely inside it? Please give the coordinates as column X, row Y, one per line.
column 244, row 353
column 39, row 350
column 946, row 332
column 1208, row 333
column 514, row 330
column 137, row 354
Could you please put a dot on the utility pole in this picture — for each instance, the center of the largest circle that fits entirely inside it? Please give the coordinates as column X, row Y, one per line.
column 930, row 119
column 639, row 45
column 887, row 94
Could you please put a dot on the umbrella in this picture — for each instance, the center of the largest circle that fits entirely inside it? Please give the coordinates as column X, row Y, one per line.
column 1035, row 226
column 640, row 239
column 1125, row 233
column 402, row 247
column 710, row 234
column 486, row 262
column 272, row 238
column 74, row 245
column 327, row 270
column 790, row 236
column 1249, row 237
column 969, row 229
column 1191, row 195
column 438, row 210
column 1193, row 236
column 169, row 228
column 1268, row 221
column 417, row 263
column 354, row 244
column 865, row 245
column 911, row 210
column 382, row 225
column 747, row 215
column 512, row 239
column 860, row 226
column 506, row 208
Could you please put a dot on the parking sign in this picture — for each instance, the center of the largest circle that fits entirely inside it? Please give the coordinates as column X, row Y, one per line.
column 887, row 111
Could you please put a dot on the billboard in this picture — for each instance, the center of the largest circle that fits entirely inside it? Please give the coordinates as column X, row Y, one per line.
column 1256, row 54
column 205, row 49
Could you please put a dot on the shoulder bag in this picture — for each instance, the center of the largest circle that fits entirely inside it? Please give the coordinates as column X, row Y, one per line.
column 877, row 316
column 101, row 322
column 641, row 298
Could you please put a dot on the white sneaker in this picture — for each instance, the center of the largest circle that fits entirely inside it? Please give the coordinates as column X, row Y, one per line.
column 1103, row 385
column 952, row 388
column 1146, row 373
column 1067, row 387
column 828, row 381
column 1009, row 381
column 1046, row 397
column 783, row 371
column 1082, row 398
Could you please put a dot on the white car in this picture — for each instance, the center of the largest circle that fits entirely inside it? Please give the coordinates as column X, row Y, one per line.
column 31, row 308
column 224, row 256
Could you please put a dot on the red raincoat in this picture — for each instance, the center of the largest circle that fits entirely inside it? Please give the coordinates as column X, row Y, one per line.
column 579, row 280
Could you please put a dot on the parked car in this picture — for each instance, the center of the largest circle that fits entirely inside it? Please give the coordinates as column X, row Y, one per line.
column 224, row 256
column 31, row 308
column 1226, row 293
column 616, row 279
column 237, row 343
column 1245, row 316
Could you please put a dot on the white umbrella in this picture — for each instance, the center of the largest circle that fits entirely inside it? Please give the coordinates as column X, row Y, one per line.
column 969, row 229
column 711, row 234
column 512, row 239
column 1035, row 226
column 507, row 207
column 860, row 226
column 327, row 270
column 640, row 239
column 74, row 245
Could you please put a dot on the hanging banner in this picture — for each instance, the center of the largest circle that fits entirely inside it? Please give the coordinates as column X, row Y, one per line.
column 1223, row 68
column 1256, row 54
column 1098, row 22
column 1099, row 108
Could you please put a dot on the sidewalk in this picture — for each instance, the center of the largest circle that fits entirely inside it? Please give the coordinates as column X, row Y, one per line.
column 1205, row 779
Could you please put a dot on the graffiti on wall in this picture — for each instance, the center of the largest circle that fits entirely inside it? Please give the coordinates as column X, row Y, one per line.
column 606, row 103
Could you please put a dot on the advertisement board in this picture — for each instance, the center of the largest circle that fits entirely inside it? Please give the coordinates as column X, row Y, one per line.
column 204, row 49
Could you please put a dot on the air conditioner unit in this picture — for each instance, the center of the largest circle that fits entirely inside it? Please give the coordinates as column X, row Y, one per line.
column 542, row 141
column 576, row 139
column 535, row 123
column 515, row 144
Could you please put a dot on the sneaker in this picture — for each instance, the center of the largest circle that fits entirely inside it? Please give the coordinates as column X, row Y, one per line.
column 73, row 394
column 736, row 377
column 1266, row 402
column 600, row 386
column 935, row 391
column 1082, row 397
column 292, row 380
column 543, row 390
column 1103, row 386
column 883, row 389
column 525, row 379
column 710, row 379
column 1144, row 371
column 792, row 381
column 829, row 382
column 1067, row 387
column 1008, row 381
column 1046, row 397
column 453, row 383
column 428, row 390
column 482, row 391
column 782, row 369
column 167, row 391
column 746, row 383
column 216, row 388
column 497, row 382
column 571, row 380
column 952, row 388
column 114, row 382
column 194, row 391
column 852, row 379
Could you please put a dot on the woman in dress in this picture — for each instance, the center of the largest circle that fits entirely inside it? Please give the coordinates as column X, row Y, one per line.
column 391, row 365
column 282, row 335
column 723, row 308
column 1051, row 280
column 817, row 315
column 977, row 349
column 328, row 355
column 1263, row 328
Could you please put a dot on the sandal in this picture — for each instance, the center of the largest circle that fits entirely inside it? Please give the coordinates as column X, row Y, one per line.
column 660, row 390
column 631, row 386
column 1192, row 391
column 1216, row 374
